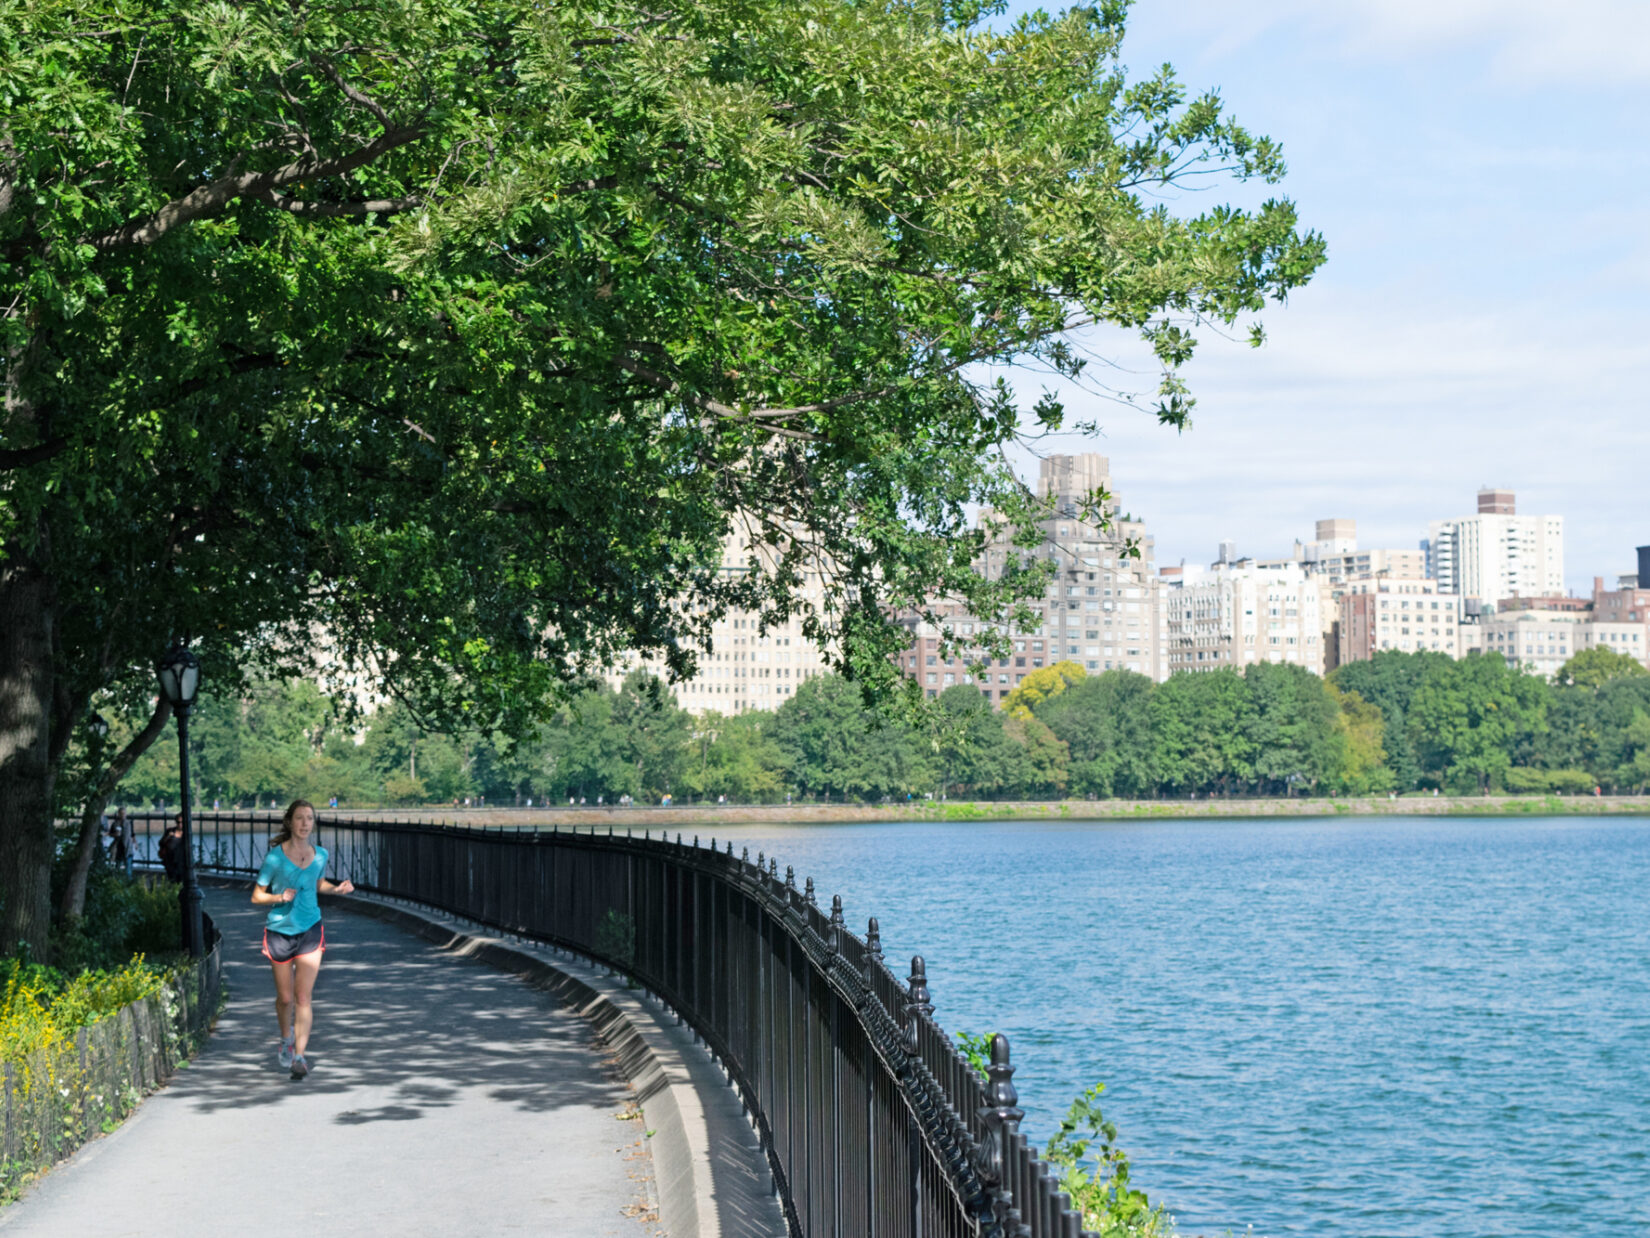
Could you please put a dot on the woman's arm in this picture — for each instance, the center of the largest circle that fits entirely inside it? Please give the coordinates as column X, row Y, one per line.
column 345, row 886
column 262, row 897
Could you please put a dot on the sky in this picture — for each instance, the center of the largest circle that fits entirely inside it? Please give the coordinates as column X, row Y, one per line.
column 1480, row 171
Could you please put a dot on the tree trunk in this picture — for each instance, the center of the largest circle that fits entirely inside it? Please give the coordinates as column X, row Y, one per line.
column 74, row 892
column 27, row 772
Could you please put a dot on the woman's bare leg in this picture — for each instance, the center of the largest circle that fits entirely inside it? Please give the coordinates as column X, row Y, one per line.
column 283, row 997
column 307, row 967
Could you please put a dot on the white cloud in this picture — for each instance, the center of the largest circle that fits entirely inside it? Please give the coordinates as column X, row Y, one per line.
column 1366, row 404
column 1532, row 41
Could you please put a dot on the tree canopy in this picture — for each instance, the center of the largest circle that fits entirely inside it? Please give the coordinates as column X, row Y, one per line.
column 1113, row 735
column 464, row 335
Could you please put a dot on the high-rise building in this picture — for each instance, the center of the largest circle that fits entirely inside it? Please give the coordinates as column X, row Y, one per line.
column 1334, row 560
column 1497, row 553
column 1099, row 610
column 1240, row 613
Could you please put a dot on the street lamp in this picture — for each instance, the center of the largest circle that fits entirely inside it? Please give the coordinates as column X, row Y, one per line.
column 179, row 673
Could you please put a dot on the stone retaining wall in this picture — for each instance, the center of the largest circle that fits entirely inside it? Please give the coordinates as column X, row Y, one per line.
column 59, row 1098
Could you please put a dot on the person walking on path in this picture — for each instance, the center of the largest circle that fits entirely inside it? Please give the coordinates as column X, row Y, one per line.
column 294, row 938
column 171, row 849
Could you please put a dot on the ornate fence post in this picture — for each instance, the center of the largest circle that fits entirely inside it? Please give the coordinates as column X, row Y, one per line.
column 1001, row 1115
column 917, row 1002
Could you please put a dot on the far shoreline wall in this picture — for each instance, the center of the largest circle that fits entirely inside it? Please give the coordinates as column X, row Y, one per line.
column 697, row 817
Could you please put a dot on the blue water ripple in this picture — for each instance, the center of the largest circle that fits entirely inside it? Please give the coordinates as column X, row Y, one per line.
column 1370, row 1027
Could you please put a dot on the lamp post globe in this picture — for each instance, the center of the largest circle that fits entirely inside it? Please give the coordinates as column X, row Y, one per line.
column 179, row 673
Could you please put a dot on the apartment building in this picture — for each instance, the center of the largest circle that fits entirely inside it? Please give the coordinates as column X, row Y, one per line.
column 1099, row 610
column 1395, row 613
column 1497, row 553
column 1536, row 638
column 1240, row 613
column 745, row 668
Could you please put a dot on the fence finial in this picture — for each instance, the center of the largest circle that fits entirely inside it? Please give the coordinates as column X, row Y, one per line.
column 1001, row 1116
column 917, row 1000
column 808, row 895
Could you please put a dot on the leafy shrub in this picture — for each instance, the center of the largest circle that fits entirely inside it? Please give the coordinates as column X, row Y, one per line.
column 616, row 938
column 122, row 918
column 40, row 1008
column 1100, row 1191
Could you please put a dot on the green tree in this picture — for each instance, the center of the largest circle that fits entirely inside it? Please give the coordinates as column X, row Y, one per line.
column 327, row 316
column 1466, row 717
column 1389, row 681
column 1363, row 765
column 652, row 735
column 974, row 750
column 1105, row 723
column 1597, row 666
column 1293, row 730
column 1634, row 770
column 734, row 755
column 834, row 745
column 1044, row 764
column 1200, row 731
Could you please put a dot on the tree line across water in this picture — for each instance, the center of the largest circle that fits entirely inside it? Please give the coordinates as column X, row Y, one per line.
column 1399, row 722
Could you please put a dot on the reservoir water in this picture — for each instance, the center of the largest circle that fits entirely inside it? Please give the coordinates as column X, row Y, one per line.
column 1364, row 1027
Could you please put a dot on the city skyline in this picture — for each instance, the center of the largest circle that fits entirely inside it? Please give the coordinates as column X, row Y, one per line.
column 1480, row 319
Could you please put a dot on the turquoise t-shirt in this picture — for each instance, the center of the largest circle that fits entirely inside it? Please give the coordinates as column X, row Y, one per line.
column 281, row 874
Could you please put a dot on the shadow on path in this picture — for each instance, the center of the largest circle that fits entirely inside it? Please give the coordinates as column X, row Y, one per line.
column 446, row 1098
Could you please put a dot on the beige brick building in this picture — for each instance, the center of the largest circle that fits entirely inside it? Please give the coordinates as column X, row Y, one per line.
column 1394, row 613
column 1237, row 614
column 1100, row 609
column 746, row 668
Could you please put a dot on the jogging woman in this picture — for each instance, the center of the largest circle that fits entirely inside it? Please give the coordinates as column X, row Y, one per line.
column 294, row 938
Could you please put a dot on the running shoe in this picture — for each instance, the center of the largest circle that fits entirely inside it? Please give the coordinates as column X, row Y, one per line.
column 287, row 1051
column 300, row 1068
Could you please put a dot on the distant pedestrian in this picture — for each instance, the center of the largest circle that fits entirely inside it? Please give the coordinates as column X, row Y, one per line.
column 170, row 849
column 117, row 838
column 294, row 938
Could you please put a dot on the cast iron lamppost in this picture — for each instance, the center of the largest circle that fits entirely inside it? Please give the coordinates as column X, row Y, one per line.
column 179, row 673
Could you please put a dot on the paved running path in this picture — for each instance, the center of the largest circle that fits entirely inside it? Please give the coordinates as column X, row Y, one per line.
column 447, row 1099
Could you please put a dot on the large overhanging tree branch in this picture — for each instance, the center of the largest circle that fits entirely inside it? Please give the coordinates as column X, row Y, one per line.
column 468, row 334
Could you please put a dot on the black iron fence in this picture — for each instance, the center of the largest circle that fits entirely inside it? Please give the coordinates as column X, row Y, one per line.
column 874, row 1124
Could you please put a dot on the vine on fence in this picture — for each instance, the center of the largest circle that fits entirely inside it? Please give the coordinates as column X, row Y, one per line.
column 1099, row 1186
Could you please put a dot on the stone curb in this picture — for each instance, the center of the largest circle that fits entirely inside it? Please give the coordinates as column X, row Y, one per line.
column 712, row 1178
